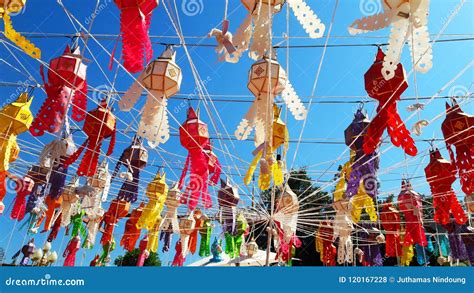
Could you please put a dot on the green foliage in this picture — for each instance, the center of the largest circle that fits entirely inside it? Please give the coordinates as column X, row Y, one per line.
column 130, row 259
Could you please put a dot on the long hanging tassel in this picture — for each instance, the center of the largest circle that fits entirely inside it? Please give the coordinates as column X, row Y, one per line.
column 133, row 37
column 154, row 124
column 11, row 34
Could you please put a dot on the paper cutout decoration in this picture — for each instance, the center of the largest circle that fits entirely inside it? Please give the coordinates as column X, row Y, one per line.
column 23, row 188
column 135, row 158
column 409, row 22
column 390, row 219
column 135, row 20
column 118, row 209
column 66, row 85
column 70, row 198
column 153, row 236
column 255, row 32
column 458, row 131
column 343, row 227
column 92, row 206
column 362, row 167
column 186, row 227
column 233, row 242
column 324, row 246
column 156, row 192
column 362, row 201
column 194, row 136
column 440, row 175
column 71, row 250
column 162, row 80
column 387, row 93
column 228, row 198
column 132, row 233
column 15, row 118
column 286, row 219
column 409, row 203
column 8, row 7
column 98, row 125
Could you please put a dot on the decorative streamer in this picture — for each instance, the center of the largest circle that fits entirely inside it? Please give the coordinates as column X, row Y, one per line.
column 66, row 83
column 390, row 219
column 409, row 203
column 343, row 227
column 186, row 227
column 387, row 93
column 162, row 79
column 8, row 7
column 228, row 199
column 71, row 250
column 254, row 34
column 135, row 20
column 409, row 21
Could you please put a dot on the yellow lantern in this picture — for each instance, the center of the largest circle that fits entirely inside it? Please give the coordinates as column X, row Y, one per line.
column 156, row 193
column 15, row 118
column 162, row 78
column 8, row 7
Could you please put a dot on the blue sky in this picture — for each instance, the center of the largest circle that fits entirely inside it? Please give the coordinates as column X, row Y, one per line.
column 340, row 79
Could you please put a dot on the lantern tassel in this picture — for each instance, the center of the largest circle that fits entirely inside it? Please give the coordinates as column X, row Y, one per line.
column 307, row 18
column 19, row 40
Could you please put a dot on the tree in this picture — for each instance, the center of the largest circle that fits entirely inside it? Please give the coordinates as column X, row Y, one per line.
column 130, row 259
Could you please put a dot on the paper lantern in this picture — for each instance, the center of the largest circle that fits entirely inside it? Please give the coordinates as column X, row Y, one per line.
column 458, row 131
column 156, row 193
column 135, row 20
column 228, row 197
column 390, row 219
column 162, row 80
column 387, row 93
column 194, row 136
column 186, row 227
column 101, row 179
column 8, row 7
column 118, row 209
column 144, row 253
column 440, row 175
column 234, row 241
column 257, row 26
column 98, row 125
column 172, row 203
column 409, row 203
column 363, row 167
column 71, row 250
column 362, row 201
column 66, row 84
column 407, row 18
column 252, row 248
column 70, row 197
column 205, row 231
column 135, row 158
column 15, row 118
column 131, row 232
column 92, row 207
column 343, row 227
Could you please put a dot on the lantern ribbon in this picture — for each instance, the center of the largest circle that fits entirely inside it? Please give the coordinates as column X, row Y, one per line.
column 307, row 18
column 342, row 229
column 135, row 22
column 19, row 40
column 205, row 245
column 71, row 250
column 362, row 201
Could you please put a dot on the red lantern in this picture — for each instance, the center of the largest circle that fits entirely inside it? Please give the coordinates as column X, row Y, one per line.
column 328, row 250
column 99, row 125
column 410, row 205
column 387, row 93
column 390, row 219
column 194, row 136
column 458, row 130
column 135, row 19
column 118, row 209
column 440, row 175
column 132, row 233
column 66, row 82
column 23, row 189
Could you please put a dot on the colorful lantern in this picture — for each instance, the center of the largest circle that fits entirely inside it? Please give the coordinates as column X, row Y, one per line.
column 135, row 20
column 342, row 229
column 194, row 136
column 156, row 193
column 362, row 201
column 440, row 175
column 206, row 232
column 70, row 199
column 324, row 246
column 172, row 203
column 186, row 227
column 101, row 179
column 99, row 125
column 409, row 20
column 153, row 236
column 390, row 218
column 387, row 93
column 118, row 209
column 23, row 188
column 458, row 130
column 71, row 250
column 135, row 158
column 162, row 80
column 233, row 241
column 92, row 205
column 257, row 25
column 410, row 205
column 228, row 198
column 362, row 167
column 144, row 253
column 8, row 7
column 66, row 84
column 53, row 205
column 132, row 233
column 15, row 118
